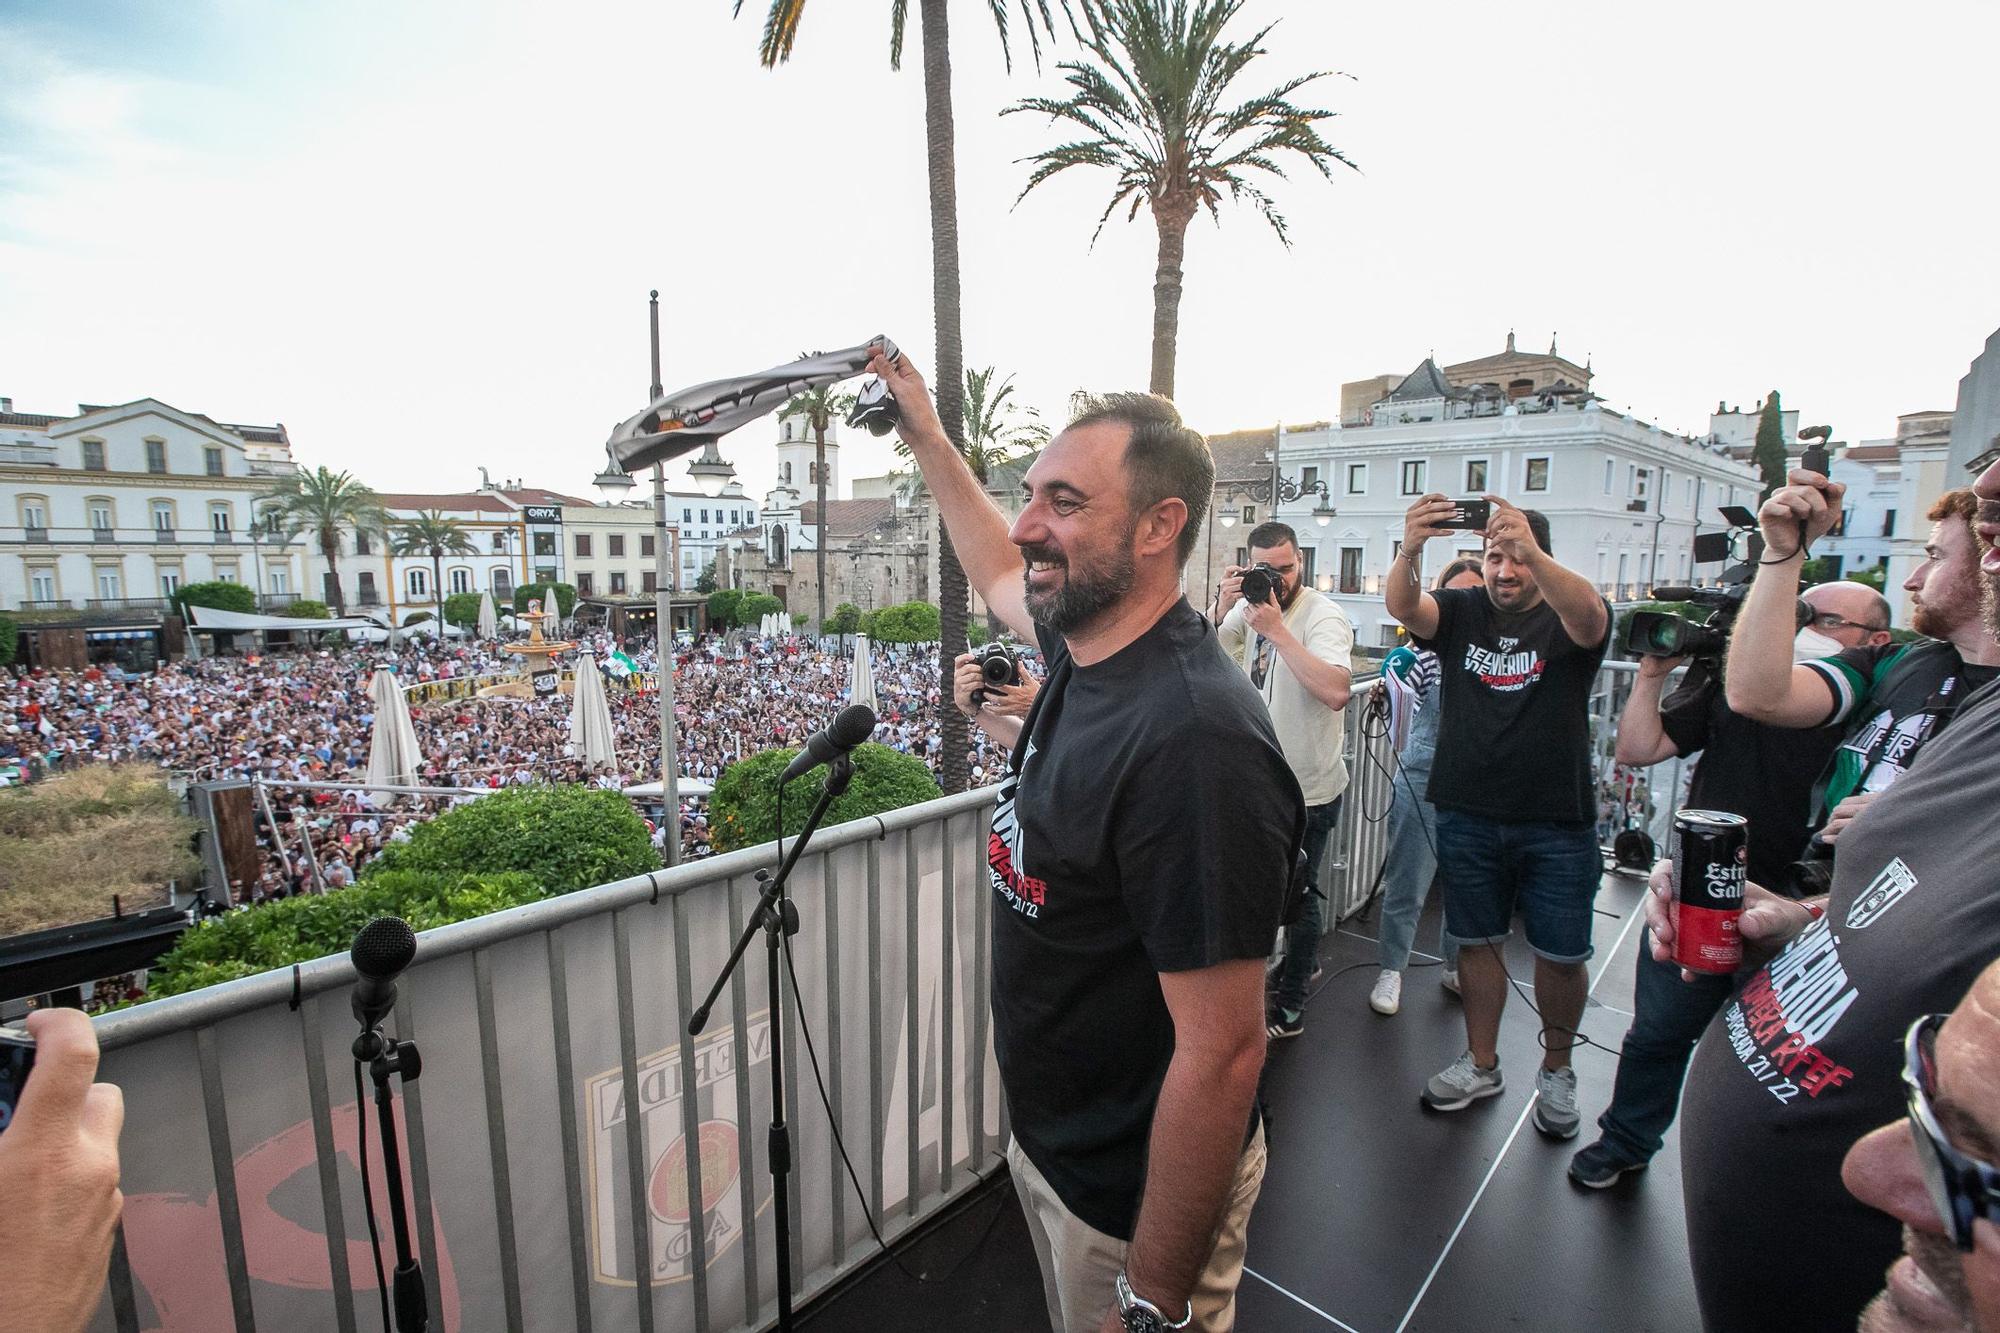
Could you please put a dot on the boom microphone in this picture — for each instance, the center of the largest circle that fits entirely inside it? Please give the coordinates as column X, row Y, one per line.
column 1674, row 594
column 381, row 951
column 849, row 728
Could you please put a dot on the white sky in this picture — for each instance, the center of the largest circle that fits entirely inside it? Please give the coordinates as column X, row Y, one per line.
column 422, row 235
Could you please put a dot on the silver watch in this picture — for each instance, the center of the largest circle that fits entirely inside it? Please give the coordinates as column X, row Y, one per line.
column 1142, row 1316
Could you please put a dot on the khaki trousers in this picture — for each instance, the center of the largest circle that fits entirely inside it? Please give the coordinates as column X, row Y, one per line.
column 1080, row 1264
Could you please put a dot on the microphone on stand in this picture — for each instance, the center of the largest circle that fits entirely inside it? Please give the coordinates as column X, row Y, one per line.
column 381, row 951
column 849, row 728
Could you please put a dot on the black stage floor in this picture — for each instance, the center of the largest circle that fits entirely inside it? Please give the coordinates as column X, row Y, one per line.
column 1377, row 1216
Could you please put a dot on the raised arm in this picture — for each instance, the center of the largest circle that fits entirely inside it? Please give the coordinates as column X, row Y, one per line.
column 978, row 529
column 1585, row 619
column 1403, row 593
column 1763, row 683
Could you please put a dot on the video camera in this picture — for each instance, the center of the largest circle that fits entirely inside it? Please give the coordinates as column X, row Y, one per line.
column 1704, row 637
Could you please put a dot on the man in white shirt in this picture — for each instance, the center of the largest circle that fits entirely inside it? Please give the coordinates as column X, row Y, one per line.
column 1298, row 648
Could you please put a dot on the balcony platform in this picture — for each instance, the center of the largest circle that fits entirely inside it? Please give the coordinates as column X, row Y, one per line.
column 1378, row 1216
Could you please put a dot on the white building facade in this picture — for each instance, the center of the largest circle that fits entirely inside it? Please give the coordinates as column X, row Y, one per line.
column 1624, row 498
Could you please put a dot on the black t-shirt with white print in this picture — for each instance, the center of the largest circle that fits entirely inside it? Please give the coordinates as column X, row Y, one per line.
column 1147, row 824
column 1808, row 1055
column 1514, row 730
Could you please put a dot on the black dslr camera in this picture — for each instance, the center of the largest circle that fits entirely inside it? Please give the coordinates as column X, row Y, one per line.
column 997, row 666
column 1261, row 583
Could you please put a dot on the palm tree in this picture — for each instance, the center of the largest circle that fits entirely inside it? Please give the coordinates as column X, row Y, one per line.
column 820, row 408
column 431, row 533
column 781, row 25
column 1150, row 110
column 996, row 430
column 323, row 503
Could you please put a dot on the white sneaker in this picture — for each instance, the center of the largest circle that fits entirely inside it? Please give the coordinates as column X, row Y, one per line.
column 1461, row 1085
column 1387, row 997
column 1449, row 979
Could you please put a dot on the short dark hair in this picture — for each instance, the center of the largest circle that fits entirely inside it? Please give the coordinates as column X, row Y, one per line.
column 1538, row 523
column 1164, row 457
column 1454, row 569
column 1267, row 535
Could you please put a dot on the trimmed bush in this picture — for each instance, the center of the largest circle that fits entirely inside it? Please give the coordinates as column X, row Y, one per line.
column 10, row 637
column 298, row 930
column 221, row 596
column 462, row 609
column 911, row 622
column 744, row 809
column 307, row 610
column 756, row 606
column 527, row 592
column 725, row 609
column 564, row 838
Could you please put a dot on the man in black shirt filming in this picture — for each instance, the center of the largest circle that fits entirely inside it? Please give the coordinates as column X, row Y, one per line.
column 1512, row 786
column 1141, row 852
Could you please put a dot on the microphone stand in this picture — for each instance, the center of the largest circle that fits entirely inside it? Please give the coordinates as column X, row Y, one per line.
column 777, row 917
column 386, row 1058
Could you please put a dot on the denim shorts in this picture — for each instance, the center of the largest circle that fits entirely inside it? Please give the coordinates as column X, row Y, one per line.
column 1550, row 871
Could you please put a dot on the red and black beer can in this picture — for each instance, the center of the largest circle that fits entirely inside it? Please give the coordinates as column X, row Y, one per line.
column 1711, row 849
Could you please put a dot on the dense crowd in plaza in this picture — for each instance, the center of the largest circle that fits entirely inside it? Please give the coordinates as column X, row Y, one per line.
column 306, row 717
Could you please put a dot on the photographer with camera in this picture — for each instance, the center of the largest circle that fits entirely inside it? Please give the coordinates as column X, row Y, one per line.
column 1299, row 650
column 1892, row 698
column 1763, row 773
column 1512, row 785
column 994, row 691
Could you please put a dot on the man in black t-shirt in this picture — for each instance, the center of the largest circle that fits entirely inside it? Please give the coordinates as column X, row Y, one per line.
column 1808, row 1054
column 1512, row 786
column 1144, row 841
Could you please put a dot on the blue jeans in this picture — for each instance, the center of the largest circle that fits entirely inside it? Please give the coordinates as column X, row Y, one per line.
column 1551, row 871
column 1302, row 936
column 1668, row 1017
column 1408, row 867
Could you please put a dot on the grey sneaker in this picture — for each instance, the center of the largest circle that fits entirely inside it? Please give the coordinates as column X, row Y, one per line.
column 1555, row 1103
column 1449, row 979
column 1463, row 1084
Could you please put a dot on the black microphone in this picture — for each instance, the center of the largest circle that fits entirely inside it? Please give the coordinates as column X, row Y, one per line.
column 1674, row 594
column 381, row 951
column 853, row 725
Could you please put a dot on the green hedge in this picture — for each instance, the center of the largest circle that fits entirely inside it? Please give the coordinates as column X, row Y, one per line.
column 566, row 838
column 10, row 636
column 565, row 596
column 307, row 609
column 743, row 812
column 220, row 596
column 756, row 606
column 298, row 930
column 725, row 609
column 911, row 622
column 462, row 609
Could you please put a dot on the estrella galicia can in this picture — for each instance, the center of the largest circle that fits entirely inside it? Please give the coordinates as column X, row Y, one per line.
column 1711, row 852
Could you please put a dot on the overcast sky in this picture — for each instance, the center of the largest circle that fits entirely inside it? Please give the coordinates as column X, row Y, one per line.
column 421, row 235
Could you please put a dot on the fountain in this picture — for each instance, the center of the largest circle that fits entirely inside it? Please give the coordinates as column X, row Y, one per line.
column 540, row 675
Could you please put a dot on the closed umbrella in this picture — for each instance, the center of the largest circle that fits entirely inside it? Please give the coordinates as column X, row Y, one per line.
column 489, row 617
column 392, row 746
column 861, row 678
column 590, row 716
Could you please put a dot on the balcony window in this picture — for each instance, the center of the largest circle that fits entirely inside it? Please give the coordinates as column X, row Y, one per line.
column 617, row 585
column 583, row 584
column 93, row 455
column 418, row 584
column 170, row 582
column 163, row 516
column 461, row 580
column 42, row 584
column 156, row 456
column 503, row 584
column 110, row 584
column 226, row 574
column 218, row 522
column 1350, row 569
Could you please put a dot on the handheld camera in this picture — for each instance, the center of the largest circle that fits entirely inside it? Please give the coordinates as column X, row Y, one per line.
column 997, row 666
column 1261, row 583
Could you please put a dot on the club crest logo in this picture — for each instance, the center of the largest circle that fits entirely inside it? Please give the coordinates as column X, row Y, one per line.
column 1884, row 892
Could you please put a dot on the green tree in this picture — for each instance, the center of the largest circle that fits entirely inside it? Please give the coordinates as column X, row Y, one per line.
column 431, row 533
column 910, row 622
column 10, row 638
column 781, row 24
column 725, row 608
column 221, row 596
column 846, row 619
column 997, row 430
column 564, row 837
column 1769, row 455
column 704, row 582
column 323, row 503
column 1876, row 577
column 1151, row 109
column 743, row 812
column 755, row 606
column 307, row 609
column 462, row 609
column 819, row 408
column 564, row 593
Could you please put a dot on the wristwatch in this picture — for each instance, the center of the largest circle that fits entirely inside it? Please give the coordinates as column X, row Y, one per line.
column 1142, row 1316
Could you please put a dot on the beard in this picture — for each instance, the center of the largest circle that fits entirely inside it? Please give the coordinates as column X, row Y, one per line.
column 1083, row 595
column 1989, row 604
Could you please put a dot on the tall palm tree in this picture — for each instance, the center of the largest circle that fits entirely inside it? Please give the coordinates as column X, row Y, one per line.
column 431, row 533
column 997, row 430
column 1150, row 109
column 781, row 25
column 324, row 502
column 820, row 408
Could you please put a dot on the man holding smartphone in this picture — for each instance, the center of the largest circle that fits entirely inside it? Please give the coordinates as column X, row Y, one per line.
column 59, row 1199
column 1511, row 785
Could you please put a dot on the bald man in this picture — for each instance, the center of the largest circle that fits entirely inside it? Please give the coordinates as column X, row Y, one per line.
column 1948, row 1277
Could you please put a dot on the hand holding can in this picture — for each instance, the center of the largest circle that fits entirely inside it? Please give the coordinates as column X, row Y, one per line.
column 1710, row 855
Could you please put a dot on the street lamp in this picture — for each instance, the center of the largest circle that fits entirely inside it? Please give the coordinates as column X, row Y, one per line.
column 1277, row 490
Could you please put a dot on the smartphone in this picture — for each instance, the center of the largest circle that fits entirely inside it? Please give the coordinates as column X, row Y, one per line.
column 17, row 1057
column 1470, row 515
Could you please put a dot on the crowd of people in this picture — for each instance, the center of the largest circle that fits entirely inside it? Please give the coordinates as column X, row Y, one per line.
column 306, row 716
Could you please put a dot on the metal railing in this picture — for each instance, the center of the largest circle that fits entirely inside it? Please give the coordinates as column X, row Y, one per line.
column 564, row 1128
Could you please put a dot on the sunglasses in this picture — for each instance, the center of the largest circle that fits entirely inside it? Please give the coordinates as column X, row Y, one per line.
column 1962, row 1188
